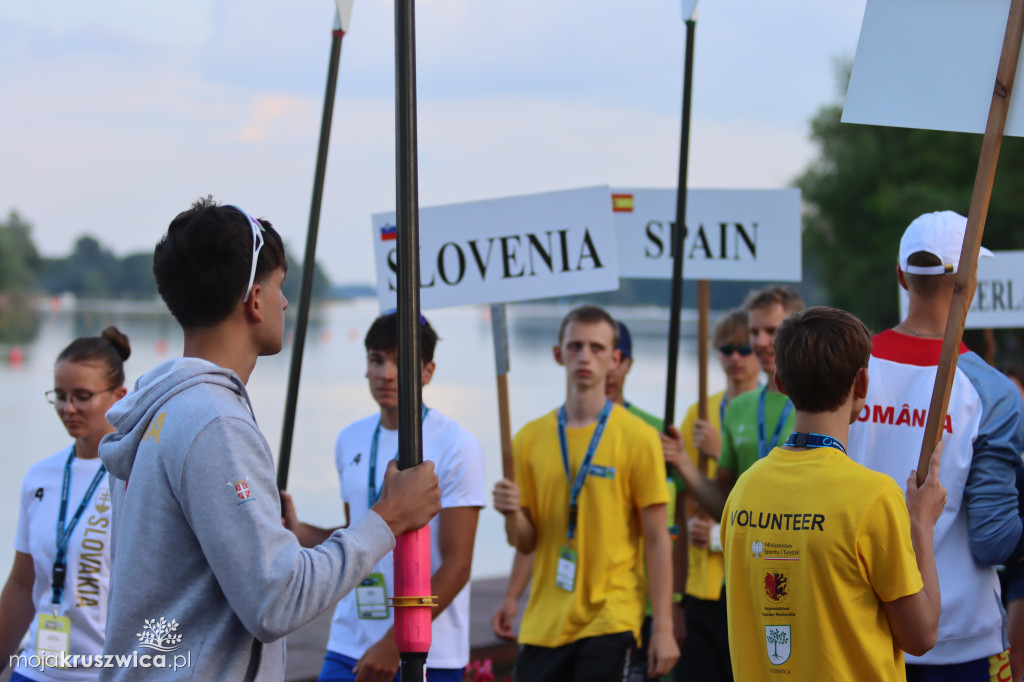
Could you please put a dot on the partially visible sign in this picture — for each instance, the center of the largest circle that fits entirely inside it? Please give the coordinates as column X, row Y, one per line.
column 745, row 235
column 999, row 299
column 929, row 64
column 512, row 249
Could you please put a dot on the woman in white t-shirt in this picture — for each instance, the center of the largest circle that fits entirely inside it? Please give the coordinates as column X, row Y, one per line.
column 64, row 527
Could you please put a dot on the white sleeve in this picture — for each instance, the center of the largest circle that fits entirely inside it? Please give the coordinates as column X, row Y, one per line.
column 461, row 473
column 21, row 539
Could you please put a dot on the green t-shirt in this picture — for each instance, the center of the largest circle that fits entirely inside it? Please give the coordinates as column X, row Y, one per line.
column 739, row 432
column 646, row 416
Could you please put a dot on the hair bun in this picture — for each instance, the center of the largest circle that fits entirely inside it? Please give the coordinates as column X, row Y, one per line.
column 118, row 340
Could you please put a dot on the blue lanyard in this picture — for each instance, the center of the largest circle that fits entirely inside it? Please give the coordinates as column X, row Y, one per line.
column 763, row 447
column 64, row 534
column 814, row 440
column 721, row 411
column 581, row 475
column 372, row 493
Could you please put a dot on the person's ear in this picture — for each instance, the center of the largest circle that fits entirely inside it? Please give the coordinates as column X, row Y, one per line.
column 901, row 277
column 120, row 392
column 253, row 306
column 557, row 352
column 616, row 358
column 427, row 373
column 860, row 384
column 778, row 383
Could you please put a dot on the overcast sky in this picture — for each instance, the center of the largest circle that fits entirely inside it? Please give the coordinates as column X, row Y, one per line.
column 117, row 114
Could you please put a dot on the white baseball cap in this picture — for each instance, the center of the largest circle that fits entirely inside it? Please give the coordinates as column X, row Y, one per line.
column 941, row 234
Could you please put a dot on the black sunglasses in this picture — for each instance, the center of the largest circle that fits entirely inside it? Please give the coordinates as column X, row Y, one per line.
column 730, row 349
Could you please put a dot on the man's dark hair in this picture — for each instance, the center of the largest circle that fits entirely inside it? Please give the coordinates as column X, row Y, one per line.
column 383, row 336
column 774, row 294
column 202, row 263
column 927, row 285
column 590, row 314
column 818, row 352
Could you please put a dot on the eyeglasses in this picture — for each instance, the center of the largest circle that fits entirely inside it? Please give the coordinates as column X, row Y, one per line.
column 729, row 349
column 257, row 244
column 78, row 399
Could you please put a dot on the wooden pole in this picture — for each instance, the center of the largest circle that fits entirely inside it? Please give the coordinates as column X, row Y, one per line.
column 499, row 330
column 976, row 215
column 703, row 312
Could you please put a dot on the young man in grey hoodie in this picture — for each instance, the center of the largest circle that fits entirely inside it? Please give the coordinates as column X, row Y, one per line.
column 204, row 576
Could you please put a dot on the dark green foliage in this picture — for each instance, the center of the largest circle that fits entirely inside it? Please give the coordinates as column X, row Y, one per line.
column 870, row 182
column 93, row 271
column 19, row 259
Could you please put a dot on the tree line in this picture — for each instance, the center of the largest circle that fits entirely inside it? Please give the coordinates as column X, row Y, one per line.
column 92, row 270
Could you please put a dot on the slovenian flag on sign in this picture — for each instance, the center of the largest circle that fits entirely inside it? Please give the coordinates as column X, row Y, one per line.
column 388, row 233
column 622, row 203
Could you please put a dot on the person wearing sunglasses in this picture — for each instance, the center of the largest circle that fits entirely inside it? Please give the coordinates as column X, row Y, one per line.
column 704, row 653
column 57, row 588
column 203, row 571
column 754, row 422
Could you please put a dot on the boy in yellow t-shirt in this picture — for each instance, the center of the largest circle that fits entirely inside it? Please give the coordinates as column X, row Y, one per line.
column 589, row 499
column 828, row 575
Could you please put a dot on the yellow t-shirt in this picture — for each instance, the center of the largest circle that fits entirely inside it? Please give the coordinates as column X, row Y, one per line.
column 705, row 568
column 628, row 473
column 814, row 543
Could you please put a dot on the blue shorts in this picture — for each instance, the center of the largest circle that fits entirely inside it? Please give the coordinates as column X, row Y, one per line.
column 338, row 668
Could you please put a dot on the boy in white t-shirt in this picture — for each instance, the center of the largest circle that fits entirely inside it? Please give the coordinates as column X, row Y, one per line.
column 362, row 644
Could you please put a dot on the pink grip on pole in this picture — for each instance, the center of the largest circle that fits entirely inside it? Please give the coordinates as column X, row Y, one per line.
column 412, row 579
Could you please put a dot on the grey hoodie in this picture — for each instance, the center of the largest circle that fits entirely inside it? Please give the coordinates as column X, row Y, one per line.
column 203, row 573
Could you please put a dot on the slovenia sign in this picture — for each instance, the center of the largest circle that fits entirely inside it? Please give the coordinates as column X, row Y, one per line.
column 730, row 234
column 512, row 249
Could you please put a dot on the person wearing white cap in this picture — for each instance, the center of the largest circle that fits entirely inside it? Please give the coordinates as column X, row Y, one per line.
column 983, row 436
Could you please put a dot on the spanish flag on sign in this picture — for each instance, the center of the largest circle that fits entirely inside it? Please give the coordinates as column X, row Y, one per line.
column 622, row 203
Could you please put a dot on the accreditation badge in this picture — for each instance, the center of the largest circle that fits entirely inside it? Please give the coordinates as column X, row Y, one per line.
column 565, row 577
column 53, row 638
column 372, row 598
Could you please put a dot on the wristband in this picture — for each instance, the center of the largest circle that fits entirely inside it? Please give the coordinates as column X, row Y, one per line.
column 715, row 541
column 677, row 598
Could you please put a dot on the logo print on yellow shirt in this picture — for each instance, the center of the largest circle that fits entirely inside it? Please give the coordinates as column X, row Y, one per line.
column 778, row 641
column 757, row 548
column 776, row 584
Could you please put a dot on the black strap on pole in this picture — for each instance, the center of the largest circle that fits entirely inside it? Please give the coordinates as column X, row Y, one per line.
column 410, row 400
column 678, row 232
column 309, row 262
